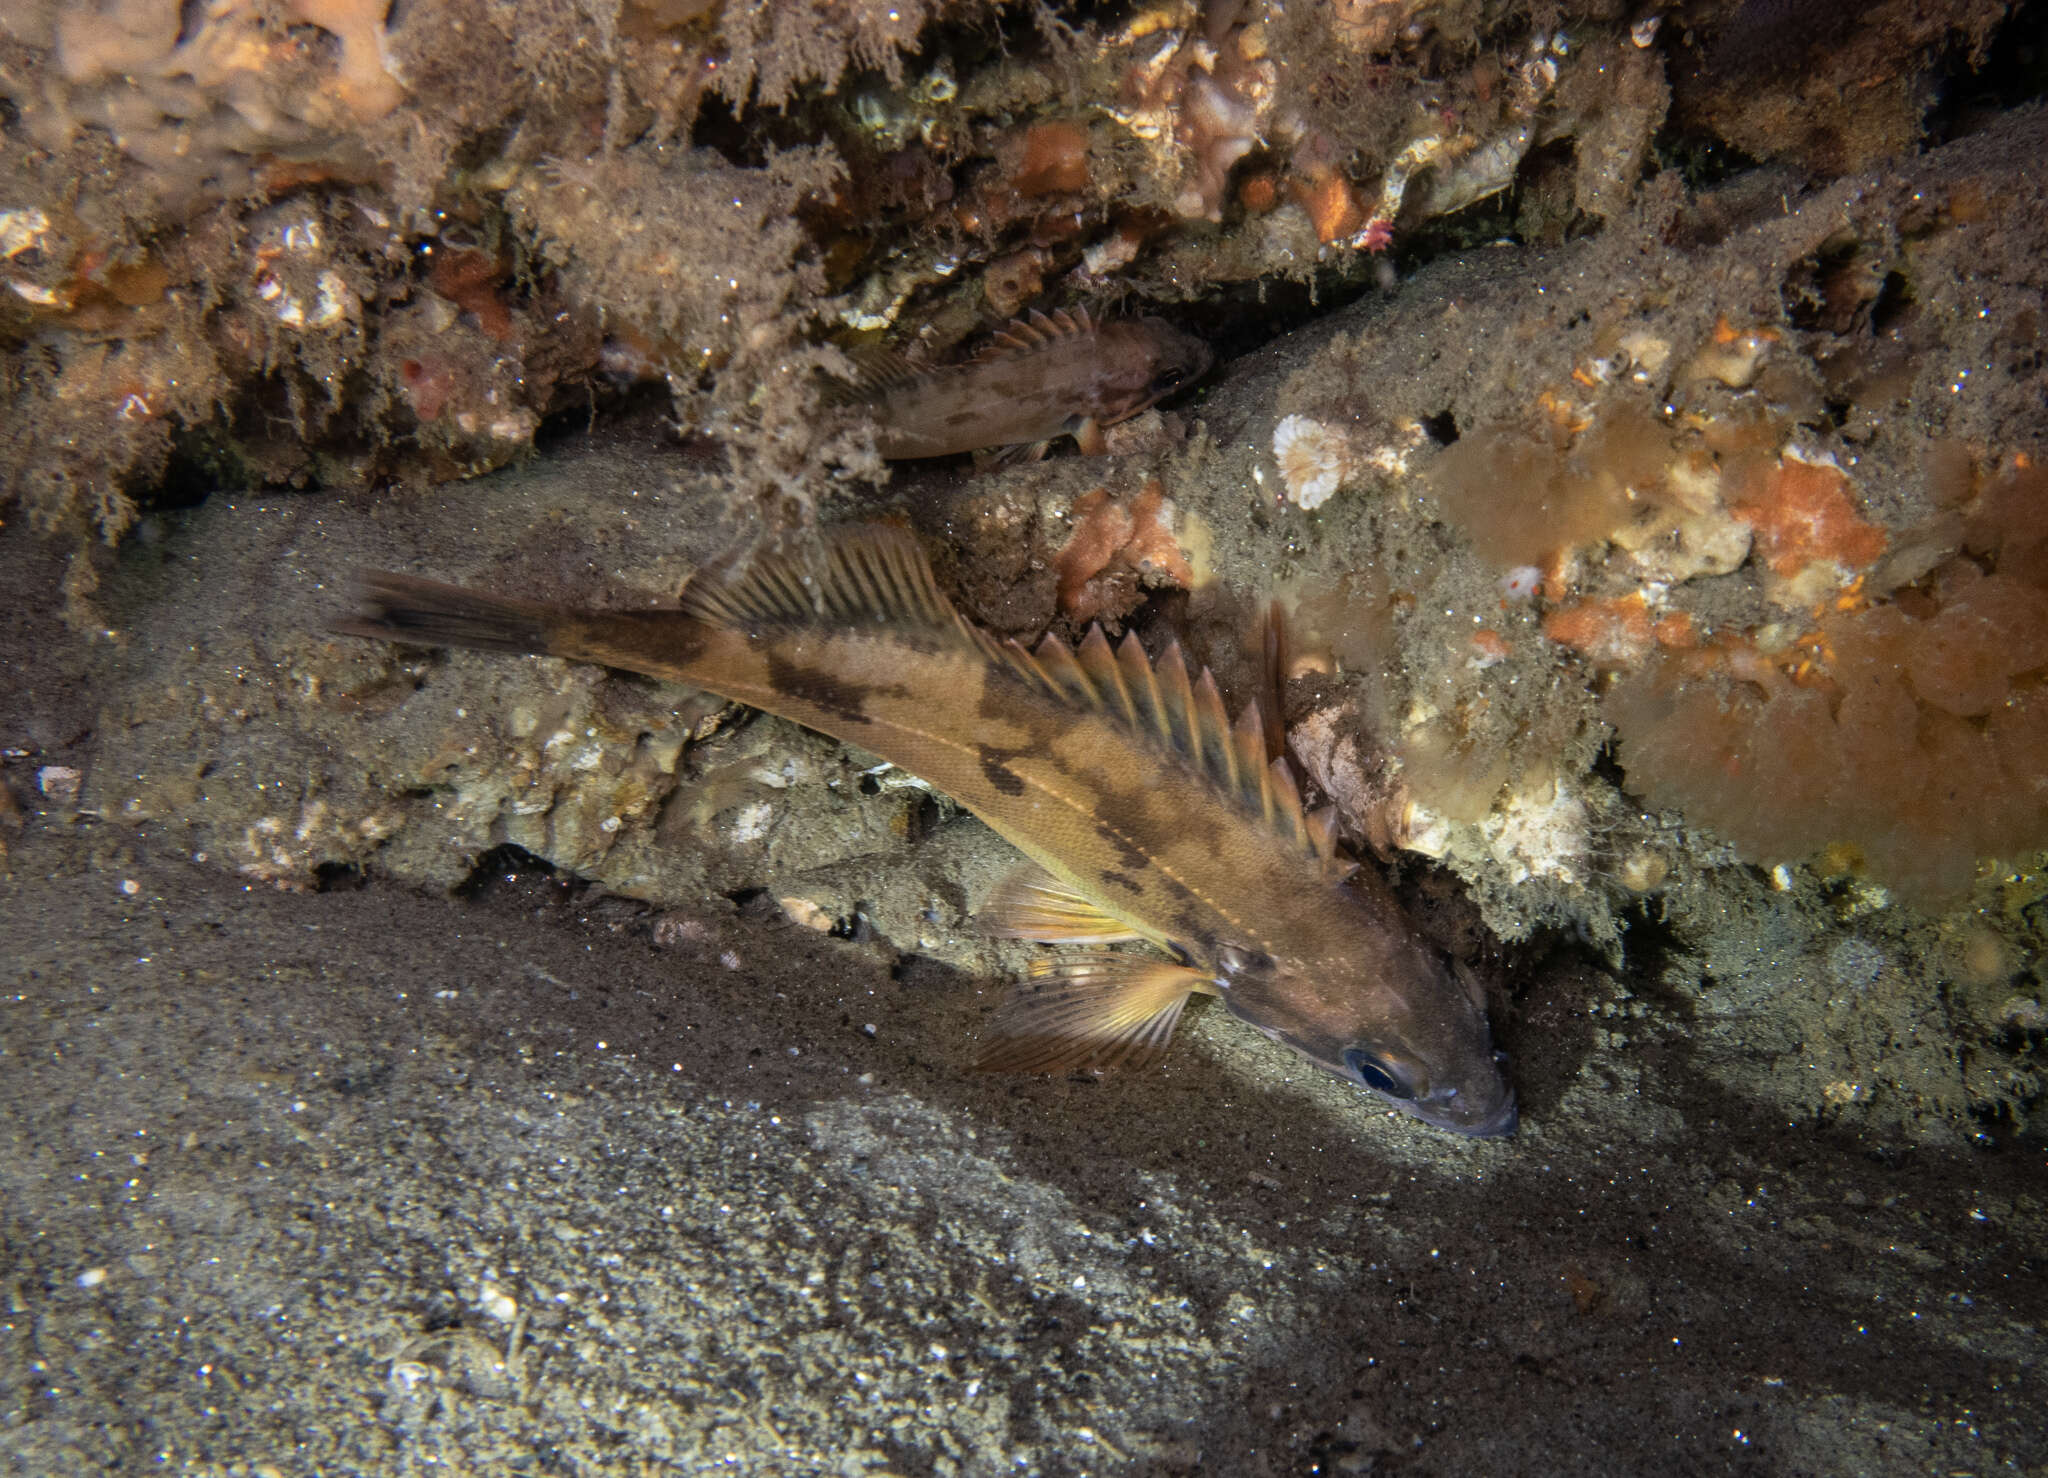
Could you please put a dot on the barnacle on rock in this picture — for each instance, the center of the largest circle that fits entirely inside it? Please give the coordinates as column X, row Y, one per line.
column 1318, row 458
column 1315, row 460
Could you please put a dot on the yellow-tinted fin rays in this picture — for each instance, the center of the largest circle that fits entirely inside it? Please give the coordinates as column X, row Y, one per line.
column 1062, row 671
column 1093, row 1009
column 1177, row 701
column 1033, row 904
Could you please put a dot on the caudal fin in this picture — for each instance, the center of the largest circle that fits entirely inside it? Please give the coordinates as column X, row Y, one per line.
column 426, row 613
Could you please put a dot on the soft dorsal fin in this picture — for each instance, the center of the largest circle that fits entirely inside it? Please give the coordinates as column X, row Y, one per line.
column 876, row 372
column 1025, row 335
column 866, row 575
column 1159, row 703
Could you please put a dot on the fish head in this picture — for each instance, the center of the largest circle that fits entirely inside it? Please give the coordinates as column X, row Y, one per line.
column 1139, row 362
column 1412, row 1028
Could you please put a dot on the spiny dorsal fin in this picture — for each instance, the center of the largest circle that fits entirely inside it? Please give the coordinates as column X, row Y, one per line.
column 1158, row 702
column 865, row 575
column 1025, row 335
column 1140, row 686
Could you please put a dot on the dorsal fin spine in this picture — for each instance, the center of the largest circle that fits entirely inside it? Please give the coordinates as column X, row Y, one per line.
column 1056, row 659
column 1177, row 698
column 1287, row 801
column 1038, row 330
column 1217, row 753
column 1322, row 832
column 1247, row 736
column 1136, row 670
column 1098, row 659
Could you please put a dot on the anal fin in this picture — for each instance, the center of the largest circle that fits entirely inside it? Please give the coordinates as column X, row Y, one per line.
column 1097, row 1009
column 1033, row 904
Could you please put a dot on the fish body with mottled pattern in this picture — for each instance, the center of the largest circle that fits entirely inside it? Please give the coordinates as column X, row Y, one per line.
column 1151, row 819
column 1051, row 376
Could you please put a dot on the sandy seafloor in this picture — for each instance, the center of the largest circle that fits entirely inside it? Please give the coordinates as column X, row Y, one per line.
column 368, row 1181
column 533, row 1180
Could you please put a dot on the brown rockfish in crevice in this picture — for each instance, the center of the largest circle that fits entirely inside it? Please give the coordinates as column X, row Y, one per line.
column 1063, row 374
column 1150, row 817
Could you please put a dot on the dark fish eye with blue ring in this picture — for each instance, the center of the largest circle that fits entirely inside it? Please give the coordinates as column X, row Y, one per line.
column 1375, row 1074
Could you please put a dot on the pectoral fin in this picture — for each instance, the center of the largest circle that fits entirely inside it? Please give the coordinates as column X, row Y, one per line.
column 1010, row 456
column 1033, row 904
column 1099, row 1009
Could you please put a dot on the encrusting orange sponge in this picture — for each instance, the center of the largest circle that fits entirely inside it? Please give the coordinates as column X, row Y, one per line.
column 1913, row 733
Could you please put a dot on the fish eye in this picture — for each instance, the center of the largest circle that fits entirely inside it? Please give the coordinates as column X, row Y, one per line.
column 1375, row 1074
column 1166, row 380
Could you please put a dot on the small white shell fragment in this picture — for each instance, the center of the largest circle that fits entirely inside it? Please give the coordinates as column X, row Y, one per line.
column 1422, row 830
column 21, row 230
column 806, row 912
column 334, row 302
column 497, row 1303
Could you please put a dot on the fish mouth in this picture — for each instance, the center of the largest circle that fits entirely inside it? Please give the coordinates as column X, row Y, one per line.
column 1504, row 1122
column 1499, row 1124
